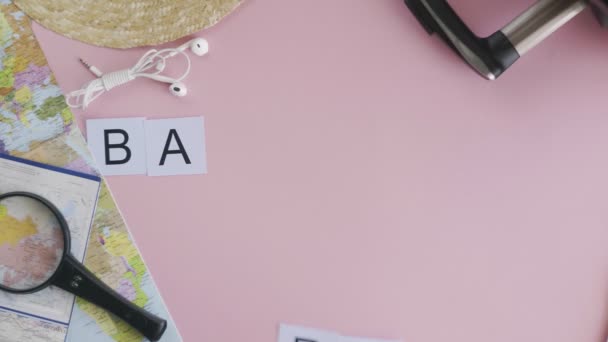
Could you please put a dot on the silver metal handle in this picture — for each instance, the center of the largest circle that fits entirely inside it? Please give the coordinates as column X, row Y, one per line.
column 540, row 21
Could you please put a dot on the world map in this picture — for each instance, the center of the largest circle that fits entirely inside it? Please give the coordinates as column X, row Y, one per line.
column 36, row 124
column 31, row 246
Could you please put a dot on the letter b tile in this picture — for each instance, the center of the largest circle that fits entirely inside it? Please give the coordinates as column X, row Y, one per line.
column 118, row 145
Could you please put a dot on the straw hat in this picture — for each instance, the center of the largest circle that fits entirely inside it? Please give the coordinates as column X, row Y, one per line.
column 127, row 23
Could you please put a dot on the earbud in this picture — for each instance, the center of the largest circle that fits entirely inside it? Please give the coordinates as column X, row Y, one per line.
column 178, row 89
column 198, row 46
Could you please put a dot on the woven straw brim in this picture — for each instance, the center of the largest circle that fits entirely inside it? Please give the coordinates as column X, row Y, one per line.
column 127, row 23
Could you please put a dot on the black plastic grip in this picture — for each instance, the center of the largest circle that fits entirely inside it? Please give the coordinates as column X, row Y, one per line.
column 489, row 56
column 73, row 277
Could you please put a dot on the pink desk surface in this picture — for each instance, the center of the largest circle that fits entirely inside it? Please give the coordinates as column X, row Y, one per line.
column 362, row 179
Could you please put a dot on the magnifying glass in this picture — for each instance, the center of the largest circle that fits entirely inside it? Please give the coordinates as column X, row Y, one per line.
column 43, row 259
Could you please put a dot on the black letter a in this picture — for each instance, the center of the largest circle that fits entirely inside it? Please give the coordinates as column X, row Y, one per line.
column 181, row 150
column 123, row 145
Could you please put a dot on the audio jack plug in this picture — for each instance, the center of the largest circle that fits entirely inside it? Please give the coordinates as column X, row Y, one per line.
column 91, row 68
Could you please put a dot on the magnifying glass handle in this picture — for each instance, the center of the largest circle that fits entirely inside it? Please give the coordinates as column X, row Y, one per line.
column 73, row 277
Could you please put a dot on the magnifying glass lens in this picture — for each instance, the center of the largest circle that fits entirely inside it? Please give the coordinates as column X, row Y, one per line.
column 31, row 243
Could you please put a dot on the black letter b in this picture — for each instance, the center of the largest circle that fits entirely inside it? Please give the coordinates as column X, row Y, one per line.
column 122, row 145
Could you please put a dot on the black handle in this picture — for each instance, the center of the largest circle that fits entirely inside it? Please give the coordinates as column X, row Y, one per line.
column 489, row 56
column 73, row 277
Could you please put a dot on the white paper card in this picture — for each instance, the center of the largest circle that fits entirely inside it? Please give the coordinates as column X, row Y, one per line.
column 363, row 339
column 176, row 146
column 118, row 145
column 293, row 333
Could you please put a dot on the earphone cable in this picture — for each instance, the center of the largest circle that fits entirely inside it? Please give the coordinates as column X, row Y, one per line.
column 153, row 59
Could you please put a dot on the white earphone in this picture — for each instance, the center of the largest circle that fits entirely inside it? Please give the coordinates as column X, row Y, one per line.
column 153, row 59
column 198, row 46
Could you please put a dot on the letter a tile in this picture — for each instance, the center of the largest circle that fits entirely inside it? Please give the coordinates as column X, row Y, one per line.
column 176, row 146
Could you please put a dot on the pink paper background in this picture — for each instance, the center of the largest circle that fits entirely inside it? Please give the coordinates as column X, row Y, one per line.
column 362, row 179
